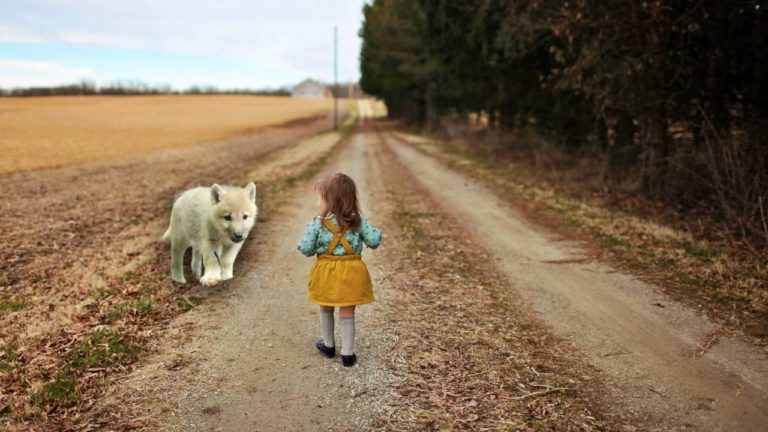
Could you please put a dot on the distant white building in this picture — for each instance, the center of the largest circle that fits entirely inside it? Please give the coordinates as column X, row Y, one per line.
column 311, row 89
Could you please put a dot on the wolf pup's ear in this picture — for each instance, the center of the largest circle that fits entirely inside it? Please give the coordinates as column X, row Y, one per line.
column 216, row 193
column 250, row 189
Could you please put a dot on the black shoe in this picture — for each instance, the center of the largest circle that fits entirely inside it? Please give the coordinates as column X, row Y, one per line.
column 328, row 351
column 349, row 360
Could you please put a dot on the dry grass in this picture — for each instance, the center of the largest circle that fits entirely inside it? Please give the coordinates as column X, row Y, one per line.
column 480, row 361
column 55, row 131
column 728, row 283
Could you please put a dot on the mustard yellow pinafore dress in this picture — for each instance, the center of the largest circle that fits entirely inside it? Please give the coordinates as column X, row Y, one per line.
column 339, row 280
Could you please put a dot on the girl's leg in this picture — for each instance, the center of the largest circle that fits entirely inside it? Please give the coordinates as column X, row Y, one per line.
column 326, row 326
column 346, row 312
column 347, row 324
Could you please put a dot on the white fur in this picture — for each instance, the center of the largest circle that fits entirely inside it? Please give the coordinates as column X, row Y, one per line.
column 198, row 221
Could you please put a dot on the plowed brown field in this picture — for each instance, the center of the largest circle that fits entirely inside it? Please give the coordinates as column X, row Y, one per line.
column 55, row 131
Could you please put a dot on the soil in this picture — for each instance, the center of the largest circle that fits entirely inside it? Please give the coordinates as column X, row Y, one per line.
column 521, row 330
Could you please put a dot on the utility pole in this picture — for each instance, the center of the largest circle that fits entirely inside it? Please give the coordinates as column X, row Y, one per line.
column 335, row 67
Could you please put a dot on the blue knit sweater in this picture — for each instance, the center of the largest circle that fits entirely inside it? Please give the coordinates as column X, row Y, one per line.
column 317, row 237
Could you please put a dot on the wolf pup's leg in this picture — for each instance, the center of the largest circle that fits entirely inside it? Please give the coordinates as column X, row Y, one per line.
column 211, row 261
column 177, row 260
column 228, row 260
column 197, row 264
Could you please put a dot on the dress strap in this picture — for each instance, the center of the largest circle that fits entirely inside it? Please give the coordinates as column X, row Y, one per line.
column 338, row 236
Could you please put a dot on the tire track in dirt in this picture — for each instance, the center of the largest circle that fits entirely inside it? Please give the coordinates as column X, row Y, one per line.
column 268, row 376
column 647, row 352
column 246, row 360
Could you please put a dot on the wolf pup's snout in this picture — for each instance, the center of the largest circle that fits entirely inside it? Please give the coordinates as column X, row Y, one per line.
column 213, row 221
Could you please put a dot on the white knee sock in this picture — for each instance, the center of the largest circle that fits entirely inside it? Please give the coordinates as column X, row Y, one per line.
column 326, row 325
column 347, row 335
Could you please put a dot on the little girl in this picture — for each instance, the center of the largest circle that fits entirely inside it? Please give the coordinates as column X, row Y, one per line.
column 339, row 277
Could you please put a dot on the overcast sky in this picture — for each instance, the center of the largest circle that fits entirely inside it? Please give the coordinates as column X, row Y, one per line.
column 226, row 43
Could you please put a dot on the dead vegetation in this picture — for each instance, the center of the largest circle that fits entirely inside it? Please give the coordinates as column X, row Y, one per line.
column 72, row 325
column 469, row 354
column 684, row 257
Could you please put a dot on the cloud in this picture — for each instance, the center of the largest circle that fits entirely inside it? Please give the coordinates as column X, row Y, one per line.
column 22, row 73
column 103, row 40
column 9, row 34
column 288, row 39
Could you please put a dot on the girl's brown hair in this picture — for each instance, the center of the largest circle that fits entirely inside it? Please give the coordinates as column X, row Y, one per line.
column 340, row 196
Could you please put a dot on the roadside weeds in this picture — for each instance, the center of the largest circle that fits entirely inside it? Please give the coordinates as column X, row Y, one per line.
column 730, row 285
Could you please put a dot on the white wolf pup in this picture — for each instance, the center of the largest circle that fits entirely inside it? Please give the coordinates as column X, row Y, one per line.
column 214, row 221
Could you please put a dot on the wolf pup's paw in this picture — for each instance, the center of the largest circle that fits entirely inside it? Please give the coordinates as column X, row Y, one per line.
column 210, row 281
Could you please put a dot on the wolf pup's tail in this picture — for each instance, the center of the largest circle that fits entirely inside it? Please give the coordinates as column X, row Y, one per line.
column 167, row 236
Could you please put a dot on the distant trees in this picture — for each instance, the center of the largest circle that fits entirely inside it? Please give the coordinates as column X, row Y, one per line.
column 672, row 92
column 120, row 88
column 125, row 88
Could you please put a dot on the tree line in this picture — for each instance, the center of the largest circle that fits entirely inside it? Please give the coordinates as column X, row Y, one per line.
column 133, row 88
column 671, row 93
column 136, row 88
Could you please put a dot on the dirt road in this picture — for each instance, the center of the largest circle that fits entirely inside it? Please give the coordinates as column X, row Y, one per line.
column 255, row 367
column 653, row 349
column 246, row 360
column 267, row 378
